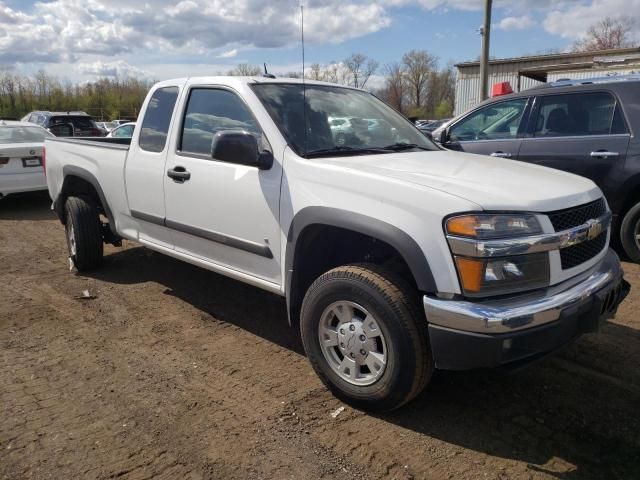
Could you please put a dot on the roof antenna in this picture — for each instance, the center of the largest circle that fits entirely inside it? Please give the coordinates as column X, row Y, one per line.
column 267, row 74
column 304, row 86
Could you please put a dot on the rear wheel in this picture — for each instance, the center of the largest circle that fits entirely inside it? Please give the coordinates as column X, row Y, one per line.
column 84, row 233
column 365, row 337
column 630, row 233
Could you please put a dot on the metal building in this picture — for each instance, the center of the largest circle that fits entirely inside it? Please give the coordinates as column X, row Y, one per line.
column 526, row 72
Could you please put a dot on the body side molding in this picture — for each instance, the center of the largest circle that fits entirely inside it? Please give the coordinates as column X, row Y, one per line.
column 262, row 250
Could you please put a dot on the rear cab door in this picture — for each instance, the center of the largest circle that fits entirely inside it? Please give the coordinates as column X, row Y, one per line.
column 495, row 129
column 580, row 132
column 145, row 166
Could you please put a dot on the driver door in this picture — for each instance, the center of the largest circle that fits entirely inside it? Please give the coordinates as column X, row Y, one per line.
column 494, row 129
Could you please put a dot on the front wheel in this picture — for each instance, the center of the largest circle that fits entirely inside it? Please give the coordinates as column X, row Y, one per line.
column 84, row 233
column 365, row 337
column 630, row 233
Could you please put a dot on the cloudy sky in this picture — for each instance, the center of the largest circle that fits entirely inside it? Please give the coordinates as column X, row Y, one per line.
column 83, row 39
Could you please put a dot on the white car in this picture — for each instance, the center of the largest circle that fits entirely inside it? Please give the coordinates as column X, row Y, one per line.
column 123, row 131
column 21, row 168
column 395, row 259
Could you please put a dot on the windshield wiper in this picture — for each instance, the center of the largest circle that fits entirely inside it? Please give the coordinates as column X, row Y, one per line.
column 344, row 150
column 398, row 147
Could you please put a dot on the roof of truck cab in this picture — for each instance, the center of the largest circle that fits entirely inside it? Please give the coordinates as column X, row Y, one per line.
column 237, row 81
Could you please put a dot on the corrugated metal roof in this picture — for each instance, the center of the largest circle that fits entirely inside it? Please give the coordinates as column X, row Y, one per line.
column 526, row 72
column 552, row 57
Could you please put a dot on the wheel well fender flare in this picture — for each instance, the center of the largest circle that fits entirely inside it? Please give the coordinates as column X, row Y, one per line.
column 363, row 224
column 69, row 171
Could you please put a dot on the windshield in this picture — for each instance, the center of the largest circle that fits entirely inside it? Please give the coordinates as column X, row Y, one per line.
column 23, row 134
column 338, row 120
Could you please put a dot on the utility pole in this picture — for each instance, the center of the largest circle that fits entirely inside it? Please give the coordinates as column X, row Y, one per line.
column 485, row 31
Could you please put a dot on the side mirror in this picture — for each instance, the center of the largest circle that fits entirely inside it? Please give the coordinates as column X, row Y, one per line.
column 240, row 147
column 440, row 136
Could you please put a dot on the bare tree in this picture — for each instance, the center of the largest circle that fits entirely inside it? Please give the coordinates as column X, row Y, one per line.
column 360, row 68
column 606, row 34
column 395, row 89
column 245, row 70
column 418, row 64
column 315, row 72
column 440, row 91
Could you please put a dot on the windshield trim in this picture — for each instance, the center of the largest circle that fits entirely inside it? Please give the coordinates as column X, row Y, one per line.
column 309, row 155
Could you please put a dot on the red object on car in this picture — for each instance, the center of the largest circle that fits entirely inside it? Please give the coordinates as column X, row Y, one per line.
column 502, row 88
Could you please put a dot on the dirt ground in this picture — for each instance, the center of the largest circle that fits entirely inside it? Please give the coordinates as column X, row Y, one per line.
column 175, row 372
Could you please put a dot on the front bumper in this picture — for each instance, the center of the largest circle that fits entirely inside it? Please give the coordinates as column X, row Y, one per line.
column 467, row 335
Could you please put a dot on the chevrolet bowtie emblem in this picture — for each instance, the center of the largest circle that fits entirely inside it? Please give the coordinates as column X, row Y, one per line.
column 595, row 229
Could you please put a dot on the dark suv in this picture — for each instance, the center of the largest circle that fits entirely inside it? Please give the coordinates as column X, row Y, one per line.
column 66, row 124
column 586, row 127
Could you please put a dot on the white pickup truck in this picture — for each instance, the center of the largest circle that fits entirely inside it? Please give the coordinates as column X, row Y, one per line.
column 395, row 256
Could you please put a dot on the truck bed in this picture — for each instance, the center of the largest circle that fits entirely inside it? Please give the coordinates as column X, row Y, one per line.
column 99, row 161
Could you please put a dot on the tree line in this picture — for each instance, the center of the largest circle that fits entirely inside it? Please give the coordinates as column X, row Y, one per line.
column 104, row 99
column 415, row 86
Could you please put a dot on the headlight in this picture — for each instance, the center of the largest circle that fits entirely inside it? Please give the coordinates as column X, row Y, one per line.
column 498, row 275
column 486, row 227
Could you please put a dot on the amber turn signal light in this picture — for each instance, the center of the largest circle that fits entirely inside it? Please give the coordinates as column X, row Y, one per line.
column 463, row 226
column 471, row 271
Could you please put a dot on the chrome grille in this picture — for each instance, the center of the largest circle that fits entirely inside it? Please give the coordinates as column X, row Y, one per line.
column 576, row 216
column 583, row 252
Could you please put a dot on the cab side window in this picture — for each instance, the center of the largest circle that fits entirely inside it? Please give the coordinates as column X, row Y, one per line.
column 579, row 114
column 155, row 126
column 493, row 122
column 209, row 111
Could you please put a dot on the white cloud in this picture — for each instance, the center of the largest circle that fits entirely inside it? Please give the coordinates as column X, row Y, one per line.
column 516, row 23
column 66, row 30
column 573, row 20
column 117, row 68
column 229, row 54
column 101, row 36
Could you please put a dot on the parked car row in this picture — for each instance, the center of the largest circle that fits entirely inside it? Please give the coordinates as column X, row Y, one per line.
column 72, row 123
column 21, row 144
column 587, row 127
column 428, row 126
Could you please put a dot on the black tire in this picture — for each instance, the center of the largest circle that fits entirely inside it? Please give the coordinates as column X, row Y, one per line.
column 629, row 230
column 83, row 224
column 395, row 307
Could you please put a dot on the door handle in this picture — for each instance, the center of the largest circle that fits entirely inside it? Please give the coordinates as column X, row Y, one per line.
column 178, row 174
column 501, row 154
column 604, row 154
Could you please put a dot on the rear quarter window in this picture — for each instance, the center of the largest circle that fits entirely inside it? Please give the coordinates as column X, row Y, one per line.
column 579, row 114
column 157, row 117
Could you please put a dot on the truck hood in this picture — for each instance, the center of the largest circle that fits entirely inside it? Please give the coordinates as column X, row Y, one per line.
column 492, row 183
